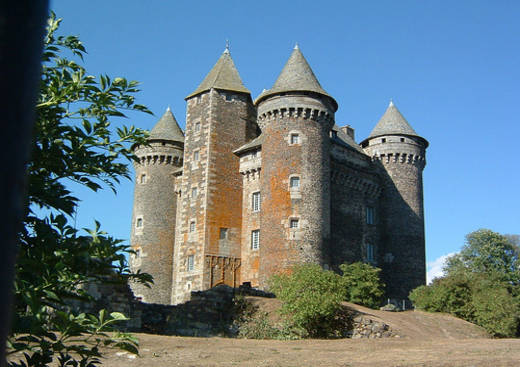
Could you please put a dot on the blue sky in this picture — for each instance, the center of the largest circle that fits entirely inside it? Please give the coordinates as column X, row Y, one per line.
column 452, row 68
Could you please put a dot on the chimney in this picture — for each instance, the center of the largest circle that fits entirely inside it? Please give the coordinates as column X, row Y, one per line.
column 348, row 130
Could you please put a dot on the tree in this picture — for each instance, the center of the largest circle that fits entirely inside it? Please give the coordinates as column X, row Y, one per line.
column 486, row 251
column 481, row 285
column 74, row 141
column 363, row 284
column 311, row 297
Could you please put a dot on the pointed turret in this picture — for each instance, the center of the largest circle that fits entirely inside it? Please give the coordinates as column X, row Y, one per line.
column 296, row 76
column 400, row 154
column 393, row 123
column 167, row 128
column 224, row 75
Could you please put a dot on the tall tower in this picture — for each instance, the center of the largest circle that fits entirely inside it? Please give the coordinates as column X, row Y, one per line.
column 220, row 117
column 155, row 206
column 401, row 154
column 295, row 116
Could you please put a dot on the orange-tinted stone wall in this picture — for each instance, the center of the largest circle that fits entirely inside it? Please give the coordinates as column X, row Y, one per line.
column 281, row 246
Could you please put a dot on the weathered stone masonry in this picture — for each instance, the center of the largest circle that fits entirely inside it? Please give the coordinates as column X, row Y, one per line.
column 256, row 188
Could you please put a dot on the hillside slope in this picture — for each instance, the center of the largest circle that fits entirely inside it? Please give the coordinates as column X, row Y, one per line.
column 407, row 324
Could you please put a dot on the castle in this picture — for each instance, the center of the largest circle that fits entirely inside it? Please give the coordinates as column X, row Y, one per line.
column 251, row 188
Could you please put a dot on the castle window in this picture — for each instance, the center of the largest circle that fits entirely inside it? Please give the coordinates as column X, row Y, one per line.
column 139, row 222
column 295, row 139
column 196, row 156
column 402, row 140
column 223, row 233
column 370, row 215
column 143, row 179
column 255, row 202
column 191, row 263
column 192, row 226
column 229, row 97
column 383, row 140
column 197, row 126
column 255, row 239
column 294, row 223
column 194, row 192
column 370, row 253
column 294, row 182
column 199, row 99
column 137, row 253
column 254, row 154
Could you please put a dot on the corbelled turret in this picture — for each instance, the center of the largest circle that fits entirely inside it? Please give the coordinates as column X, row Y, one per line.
column 401, row 154
column 295, row 116
column 155, row 207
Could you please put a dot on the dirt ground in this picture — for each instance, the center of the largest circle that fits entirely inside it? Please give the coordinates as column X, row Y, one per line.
column 167, row 351
column 424, row 340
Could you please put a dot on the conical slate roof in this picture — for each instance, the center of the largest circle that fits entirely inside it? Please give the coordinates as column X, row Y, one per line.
column 392, row 123
column 167, row 128
column 296, row 76
column 224, row 75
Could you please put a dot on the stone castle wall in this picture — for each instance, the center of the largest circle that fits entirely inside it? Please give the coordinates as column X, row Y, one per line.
column 208, row 251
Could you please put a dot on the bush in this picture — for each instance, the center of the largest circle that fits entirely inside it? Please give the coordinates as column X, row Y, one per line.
column 311, row 298
column 479, row 298
column 362, row 284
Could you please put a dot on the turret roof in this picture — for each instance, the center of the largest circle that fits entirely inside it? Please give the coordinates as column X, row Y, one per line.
column 392, row 122
column 167, row 128
column 296, row 76
column 224, row 75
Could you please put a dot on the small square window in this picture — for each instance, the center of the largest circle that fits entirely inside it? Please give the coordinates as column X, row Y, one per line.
column 255, row 239
column 295, row 139
column 223, row 233
column 196, row 156
column 199, row 99
column 191, row 262
column 143, row 179
column 192, row 226
column 370, row 215
column 254, row 153
column 402, row 140
column 139, row 222
column 383, row 140
column 295, row 182
column 294, row 223
column 229, row 97
column 194, row 192
column 255, row 202
column 197, row 126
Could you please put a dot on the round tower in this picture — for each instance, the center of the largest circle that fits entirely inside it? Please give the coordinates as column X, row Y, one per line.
column 155, row 206
column 295, row 117
column 401, row 155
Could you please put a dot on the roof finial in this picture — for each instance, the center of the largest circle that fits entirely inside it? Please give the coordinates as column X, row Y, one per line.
column 168, row 109
column 296, row 47
column 391, row 102
column 226, row 51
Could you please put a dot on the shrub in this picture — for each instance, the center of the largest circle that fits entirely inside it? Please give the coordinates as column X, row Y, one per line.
column 311, row 298
column 362, row 283
column 483, row 299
